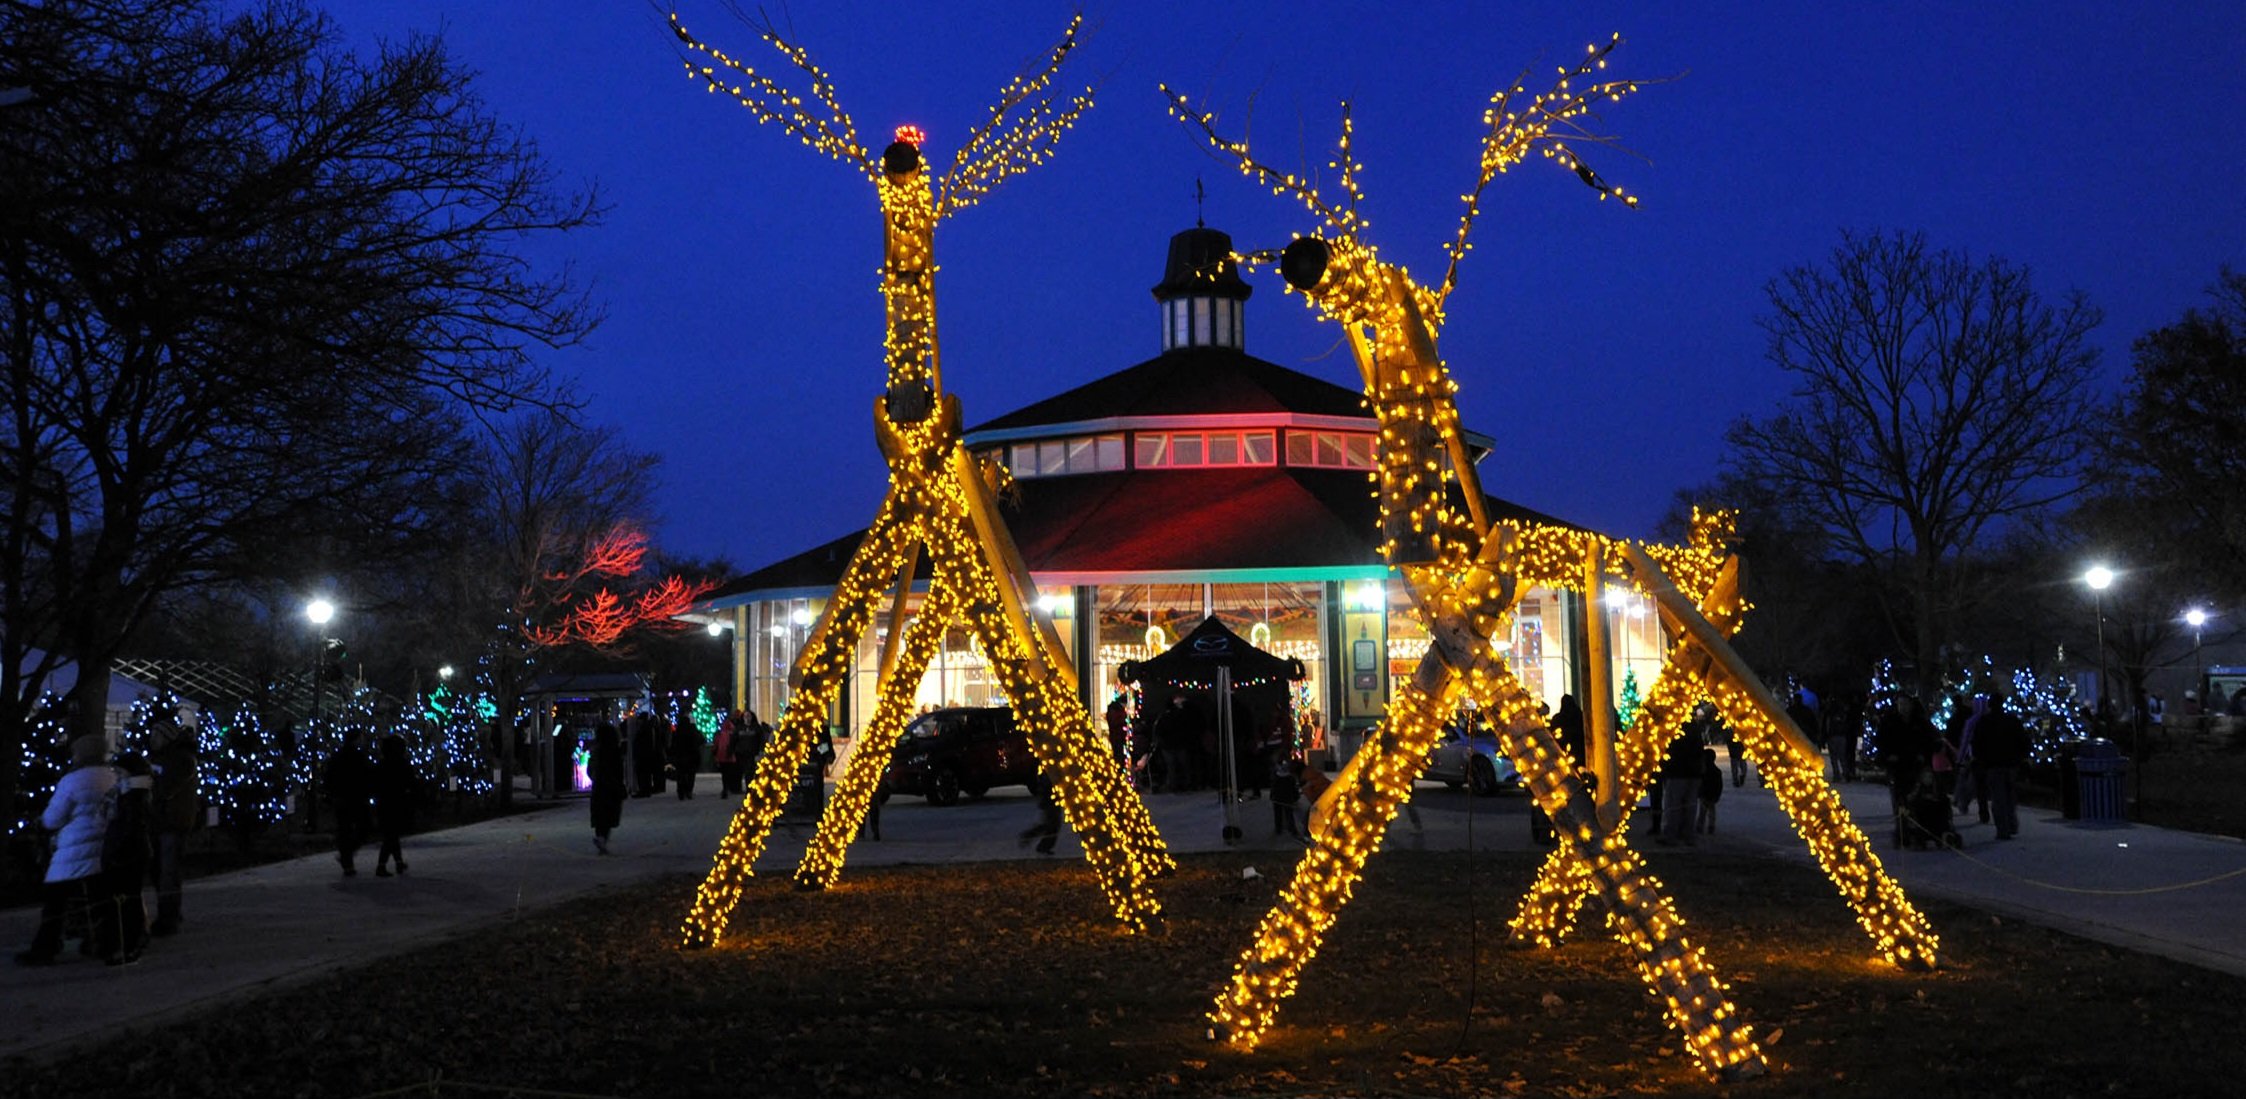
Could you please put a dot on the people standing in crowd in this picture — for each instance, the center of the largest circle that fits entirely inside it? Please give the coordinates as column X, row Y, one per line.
column 725, row 752
column 1047, row 830
column 1905, row 740
column 811, row 776
column 1247, row 777
column 1942, row 759
column 1567, row 728
column 128, row 846
column 1117, row 717
column 1681, row 768
column 1844, row 722
column 1970, row 785
column 606, row 769
column 1314, row 783
column 350, row 783
column 1711, row 791
column 2000, row 742
column 685, row 756
column 1177, row 734
column 76, row 814
column 1286, row 792
column 393, row 804
column 647, row 753
column 175, row 810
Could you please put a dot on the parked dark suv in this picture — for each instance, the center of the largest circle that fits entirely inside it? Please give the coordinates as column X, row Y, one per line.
column 946, row 753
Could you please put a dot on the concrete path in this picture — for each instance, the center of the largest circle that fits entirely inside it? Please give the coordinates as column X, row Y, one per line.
column 2171, row 893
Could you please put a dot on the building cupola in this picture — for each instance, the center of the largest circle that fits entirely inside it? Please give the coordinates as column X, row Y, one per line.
column 1202, row 294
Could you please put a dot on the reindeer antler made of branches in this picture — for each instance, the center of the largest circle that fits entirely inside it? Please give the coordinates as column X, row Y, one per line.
column 1013, row 141
column 1512, row 134
column 832, row 132
column 1547, row 124
column 1022, row 128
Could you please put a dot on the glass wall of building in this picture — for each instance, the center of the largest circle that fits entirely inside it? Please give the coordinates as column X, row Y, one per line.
column 1373, row 622
column 773, row 638
column 1637, row 646
column 1542, row 645
column 1285, row 618
column 1137, row 621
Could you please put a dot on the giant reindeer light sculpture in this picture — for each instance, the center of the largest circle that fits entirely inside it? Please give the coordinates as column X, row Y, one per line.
column 940, row 501
column 1464, row 572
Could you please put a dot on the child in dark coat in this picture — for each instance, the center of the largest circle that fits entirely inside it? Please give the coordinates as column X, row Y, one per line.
column 1711, row 789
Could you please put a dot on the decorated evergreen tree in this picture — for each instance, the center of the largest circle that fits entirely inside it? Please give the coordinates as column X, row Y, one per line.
column 1627, row 709
column 706, row 717
column 244, row 774
column 45, row 758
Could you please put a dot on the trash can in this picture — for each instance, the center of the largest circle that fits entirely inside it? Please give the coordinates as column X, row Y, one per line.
column 2101, row 770
column 2070, row 778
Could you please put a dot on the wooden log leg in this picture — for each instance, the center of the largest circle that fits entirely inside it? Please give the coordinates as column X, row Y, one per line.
column 819, row 673
column 1895, row 926
column 1550, row 911
column 1062, row 754
column 861, row 780
column 1355, row 820
column 1639, row 911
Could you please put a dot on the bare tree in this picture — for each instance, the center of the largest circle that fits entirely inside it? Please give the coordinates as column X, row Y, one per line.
column 249, row 283
column 1934, row 397
column 2179, row 444
column 567, row 565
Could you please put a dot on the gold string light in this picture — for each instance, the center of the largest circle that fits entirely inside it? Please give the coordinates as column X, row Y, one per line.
column 1463, row 573
column 939, row 499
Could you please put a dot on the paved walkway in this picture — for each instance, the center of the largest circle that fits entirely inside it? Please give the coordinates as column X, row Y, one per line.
column 2171, row 893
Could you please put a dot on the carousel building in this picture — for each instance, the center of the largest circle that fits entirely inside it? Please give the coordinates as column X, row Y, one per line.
column 1203, row 482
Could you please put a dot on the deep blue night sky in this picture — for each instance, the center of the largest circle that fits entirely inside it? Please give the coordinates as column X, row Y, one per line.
column 1605, row 348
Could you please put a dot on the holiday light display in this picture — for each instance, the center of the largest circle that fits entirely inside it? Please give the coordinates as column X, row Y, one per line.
column 941, row 502
column 44, row 760
column 1464, row 572
column 243, row 773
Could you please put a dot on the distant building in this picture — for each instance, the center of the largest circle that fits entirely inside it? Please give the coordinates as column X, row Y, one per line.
column 1203, row 481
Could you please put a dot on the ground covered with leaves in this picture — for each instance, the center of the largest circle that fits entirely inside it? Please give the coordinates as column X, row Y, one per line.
column 1006, row 980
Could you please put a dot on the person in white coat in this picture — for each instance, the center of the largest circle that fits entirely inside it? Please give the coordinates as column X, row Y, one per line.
column 78, row 816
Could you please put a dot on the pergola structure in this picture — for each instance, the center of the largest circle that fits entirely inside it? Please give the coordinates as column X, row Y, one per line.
column 941, row 501
column 1464, row 572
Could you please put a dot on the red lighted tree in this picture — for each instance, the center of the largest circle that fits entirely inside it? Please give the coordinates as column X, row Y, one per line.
column 581, row 605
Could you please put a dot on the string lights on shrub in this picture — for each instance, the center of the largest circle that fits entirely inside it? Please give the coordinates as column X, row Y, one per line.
column 941, row 502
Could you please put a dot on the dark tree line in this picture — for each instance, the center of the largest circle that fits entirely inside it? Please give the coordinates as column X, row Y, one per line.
column 252, row 286
column 1945, row 468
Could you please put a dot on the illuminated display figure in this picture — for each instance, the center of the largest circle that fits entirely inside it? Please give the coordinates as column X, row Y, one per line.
column 941, row 501
column 1464, row 571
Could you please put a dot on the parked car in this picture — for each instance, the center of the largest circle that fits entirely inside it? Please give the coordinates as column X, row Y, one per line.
column 1468, row 756
column 946, row 753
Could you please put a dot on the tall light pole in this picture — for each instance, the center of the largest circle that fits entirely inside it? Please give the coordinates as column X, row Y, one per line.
column 320, row 612
column 2197, row 620
column 2100, row 578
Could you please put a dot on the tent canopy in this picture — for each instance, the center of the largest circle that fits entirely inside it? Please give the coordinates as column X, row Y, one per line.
column 1194, row 661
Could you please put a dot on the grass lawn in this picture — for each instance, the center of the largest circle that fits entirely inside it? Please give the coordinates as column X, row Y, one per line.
column 1006, row 979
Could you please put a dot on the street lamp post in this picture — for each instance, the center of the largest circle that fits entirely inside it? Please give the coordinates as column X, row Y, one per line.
column 2197, row 620
column 320, row 612
column 2100, row 578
